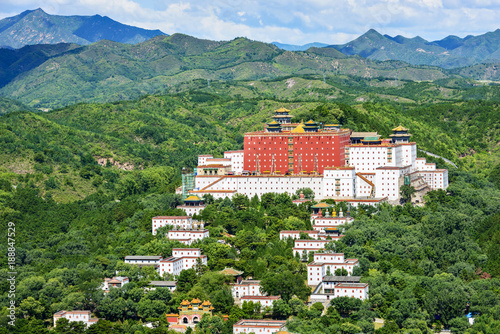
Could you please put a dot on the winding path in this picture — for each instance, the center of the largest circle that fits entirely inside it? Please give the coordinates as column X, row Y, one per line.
column 438, row 156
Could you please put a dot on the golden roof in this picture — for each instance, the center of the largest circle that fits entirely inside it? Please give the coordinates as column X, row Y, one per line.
column 231, row 271
column 299, row 129
column 171, row 315
column 400, row 135
column 206, row 303
column 400, row 128
column 273, row 122
column 310, row 122
column 282, row 110
column 195, row 301
column 193, row 198
column 185, row 302
column 321, row 205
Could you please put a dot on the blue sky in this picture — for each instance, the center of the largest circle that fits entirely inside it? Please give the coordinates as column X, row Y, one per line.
column 285, row 21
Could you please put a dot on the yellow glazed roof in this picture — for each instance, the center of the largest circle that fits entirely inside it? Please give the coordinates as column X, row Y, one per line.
column 299, row 128
column 321, row 205
column 400, row 128
column 193, row 198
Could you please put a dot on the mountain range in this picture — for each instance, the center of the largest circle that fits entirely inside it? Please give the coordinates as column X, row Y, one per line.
column 33, row 27
column 291, row 47
column 449, row 52
column 54, row 75
column 49, row 76
column 37, row 27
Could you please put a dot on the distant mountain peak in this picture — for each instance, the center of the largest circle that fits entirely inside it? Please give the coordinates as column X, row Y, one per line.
column 291, row 47
column 37, row 27
column 450, row 52
column 371, row 32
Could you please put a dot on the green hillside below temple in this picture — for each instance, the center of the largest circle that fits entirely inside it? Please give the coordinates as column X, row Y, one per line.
column 82, row 184
column 427, row 266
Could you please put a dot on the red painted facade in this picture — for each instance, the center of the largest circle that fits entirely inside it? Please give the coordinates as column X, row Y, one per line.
column 288, row 147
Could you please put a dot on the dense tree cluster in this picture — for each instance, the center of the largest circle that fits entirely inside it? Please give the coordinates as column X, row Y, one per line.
column 89, row 178
column 427, row 266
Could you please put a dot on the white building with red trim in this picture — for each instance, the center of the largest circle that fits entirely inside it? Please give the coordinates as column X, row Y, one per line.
column 353, row 290
column 181, row 259
column 185, row 222
column 295, row 234
column 328, row 234
column 188, row 236
column 326, row 264
column 339, row 286
column 75, row 316
column 264, row 301
column 258, row 326
column 246, row 288
column 177, row 222
column 305, row 246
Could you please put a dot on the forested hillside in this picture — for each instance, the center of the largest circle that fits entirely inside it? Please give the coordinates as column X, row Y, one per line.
column 66, row 158
column 81, row 184
column 59, row 75
column 426, row 266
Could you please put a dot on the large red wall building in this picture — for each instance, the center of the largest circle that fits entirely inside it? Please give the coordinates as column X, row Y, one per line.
column 284, row 147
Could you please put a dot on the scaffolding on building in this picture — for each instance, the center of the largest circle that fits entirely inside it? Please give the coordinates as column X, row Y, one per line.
column 188, row 182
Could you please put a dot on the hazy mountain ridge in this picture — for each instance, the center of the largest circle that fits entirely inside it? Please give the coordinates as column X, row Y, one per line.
column 110, row 71
column 450, row 52
column 37, row 27
column 292, row 47
column 51, row 76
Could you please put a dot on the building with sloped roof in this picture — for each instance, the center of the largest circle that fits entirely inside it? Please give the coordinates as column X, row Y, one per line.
column 190, row 313
column 114, row 282
column 75, row 316
column 192, row 205
column 258, row 326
